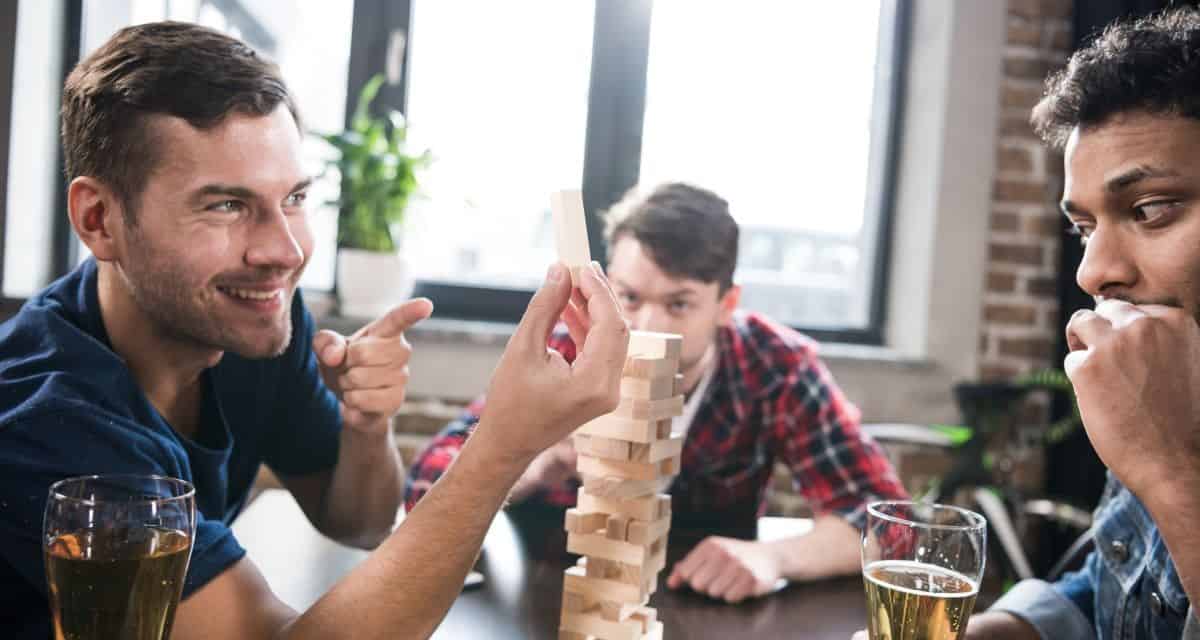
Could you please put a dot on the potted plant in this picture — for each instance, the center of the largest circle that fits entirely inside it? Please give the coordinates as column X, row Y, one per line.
column 378, row 177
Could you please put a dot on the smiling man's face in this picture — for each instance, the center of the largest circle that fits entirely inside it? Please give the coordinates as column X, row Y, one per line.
column 220, row 236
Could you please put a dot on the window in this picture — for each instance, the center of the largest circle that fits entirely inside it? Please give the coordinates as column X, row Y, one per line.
column 770, row 105
column 501, row 101
column 786, row 109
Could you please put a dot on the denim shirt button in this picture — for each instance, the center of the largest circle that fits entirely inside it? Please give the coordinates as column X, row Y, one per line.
column 1120, row 551
column 1156, row 604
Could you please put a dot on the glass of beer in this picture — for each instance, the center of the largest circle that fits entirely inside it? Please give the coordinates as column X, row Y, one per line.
column 922, row 565
column 117, row 550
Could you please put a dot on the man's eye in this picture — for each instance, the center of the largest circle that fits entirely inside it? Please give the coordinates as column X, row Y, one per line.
column 227, row 206
column 627, row 298
column 1153, row 211
column 296, row 199
column 679, row 305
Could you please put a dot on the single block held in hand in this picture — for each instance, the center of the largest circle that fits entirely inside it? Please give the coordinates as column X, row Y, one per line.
column 570, row 230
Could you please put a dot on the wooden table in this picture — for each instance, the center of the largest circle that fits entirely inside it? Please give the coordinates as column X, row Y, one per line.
column 523, row 562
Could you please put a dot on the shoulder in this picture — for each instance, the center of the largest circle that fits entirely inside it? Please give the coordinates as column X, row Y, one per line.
column 50, row 366
column 766, row 350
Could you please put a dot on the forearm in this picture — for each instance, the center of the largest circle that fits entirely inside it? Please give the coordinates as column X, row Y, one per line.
column 999, row 625
column 410, row 581
column 830, row 549
column 366, row 489
column 1175, row 508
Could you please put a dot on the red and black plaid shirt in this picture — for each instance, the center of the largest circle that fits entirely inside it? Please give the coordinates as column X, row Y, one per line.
column 770, row 399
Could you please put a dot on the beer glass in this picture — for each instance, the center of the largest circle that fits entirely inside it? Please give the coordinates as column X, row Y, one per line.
column 116, row 549
column 922, row 565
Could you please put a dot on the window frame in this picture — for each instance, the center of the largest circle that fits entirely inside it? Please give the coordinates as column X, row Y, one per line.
column 612, row 147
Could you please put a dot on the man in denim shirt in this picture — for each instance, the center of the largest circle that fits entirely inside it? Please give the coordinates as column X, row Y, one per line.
column 1126, row 114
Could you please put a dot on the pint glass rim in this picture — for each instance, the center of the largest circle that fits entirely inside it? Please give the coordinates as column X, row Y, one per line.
column 186, row 490
column 974, row 521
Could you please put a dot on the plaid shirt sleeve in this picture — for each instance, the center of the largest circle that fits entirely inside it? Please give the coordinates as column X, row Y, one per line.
column 431, row 463
column 835, row 466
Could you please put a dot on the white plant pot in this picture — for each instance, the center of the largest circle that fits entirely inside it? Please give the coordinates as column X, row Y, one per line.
column 370, row 283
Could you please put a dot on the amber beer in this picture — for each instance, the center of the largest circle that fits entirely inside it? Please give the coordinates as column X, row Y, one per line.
column 116, row 582
column 915, row 601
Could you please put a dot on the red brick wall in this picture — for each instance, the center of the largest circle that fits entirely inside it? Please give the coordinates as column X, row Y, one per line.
column 1020, row 310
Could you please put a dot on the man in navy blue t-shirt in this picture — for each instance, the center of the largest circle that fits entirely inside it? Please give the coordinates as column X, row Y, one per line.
column 183, row 348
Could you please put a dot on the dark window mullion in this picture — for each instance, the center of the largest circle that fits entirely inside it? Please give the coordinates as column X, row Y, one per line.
column 377, row 24
column 64, row 248
column 616, row 108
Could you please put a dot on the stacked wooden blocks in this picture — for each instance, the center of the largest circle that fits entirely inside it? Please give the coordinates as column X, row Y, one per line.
column 620, row 524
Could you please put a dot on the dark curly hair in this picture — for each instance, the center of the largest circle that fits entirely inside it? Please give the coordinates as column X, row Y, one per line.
column 1148, row 64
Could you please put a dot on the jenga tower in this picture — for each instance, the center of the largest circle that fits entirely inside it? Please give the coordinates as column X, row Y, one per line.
column 621, row 522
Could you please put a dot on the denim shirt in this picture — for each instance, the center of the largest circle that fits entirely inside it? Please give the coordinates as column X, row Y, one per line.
column 1127, row 589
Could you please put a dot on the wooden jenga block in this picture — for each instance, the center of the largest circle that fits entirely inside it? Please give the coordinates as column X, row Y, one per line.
column 563, row 634
column 619, row 428
column 587, row 465
column 637, row 409
column 640, row 508
column 614, row 487
column 630, row 574
column 618, row 527
column 668, row 346
column 598, row 546
column 657, row 450
column 574, row 602
column 643, row 367
column 642, row 532
column 670, row 466
column 593, row 623
column 578, row 521
column 575, row 580
column 652, row 388
column 616, row 611
column 663, row 507
column 602, row 447
column 570, row 230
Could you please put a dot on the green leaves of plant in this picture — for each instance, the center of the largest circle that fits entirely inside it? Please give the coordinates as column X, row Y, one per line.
column 378, row 174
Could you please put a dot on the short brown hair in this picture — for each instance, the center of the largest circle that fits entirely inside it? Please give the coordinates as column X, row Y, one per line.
column 688, row 231
column 168, row 68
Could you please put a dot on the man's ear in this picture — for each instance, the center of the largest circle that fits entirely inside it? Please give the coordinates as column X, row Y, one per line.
column 96, row 214
column 729, row 303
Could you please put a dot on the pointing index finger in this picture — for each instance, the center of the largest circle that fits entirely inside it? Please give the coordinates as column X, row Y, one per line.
column 398, row 319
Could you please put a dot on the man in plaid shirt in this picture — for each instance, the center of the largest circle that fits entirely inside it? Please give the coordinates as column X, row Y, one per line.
column 756, row 393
